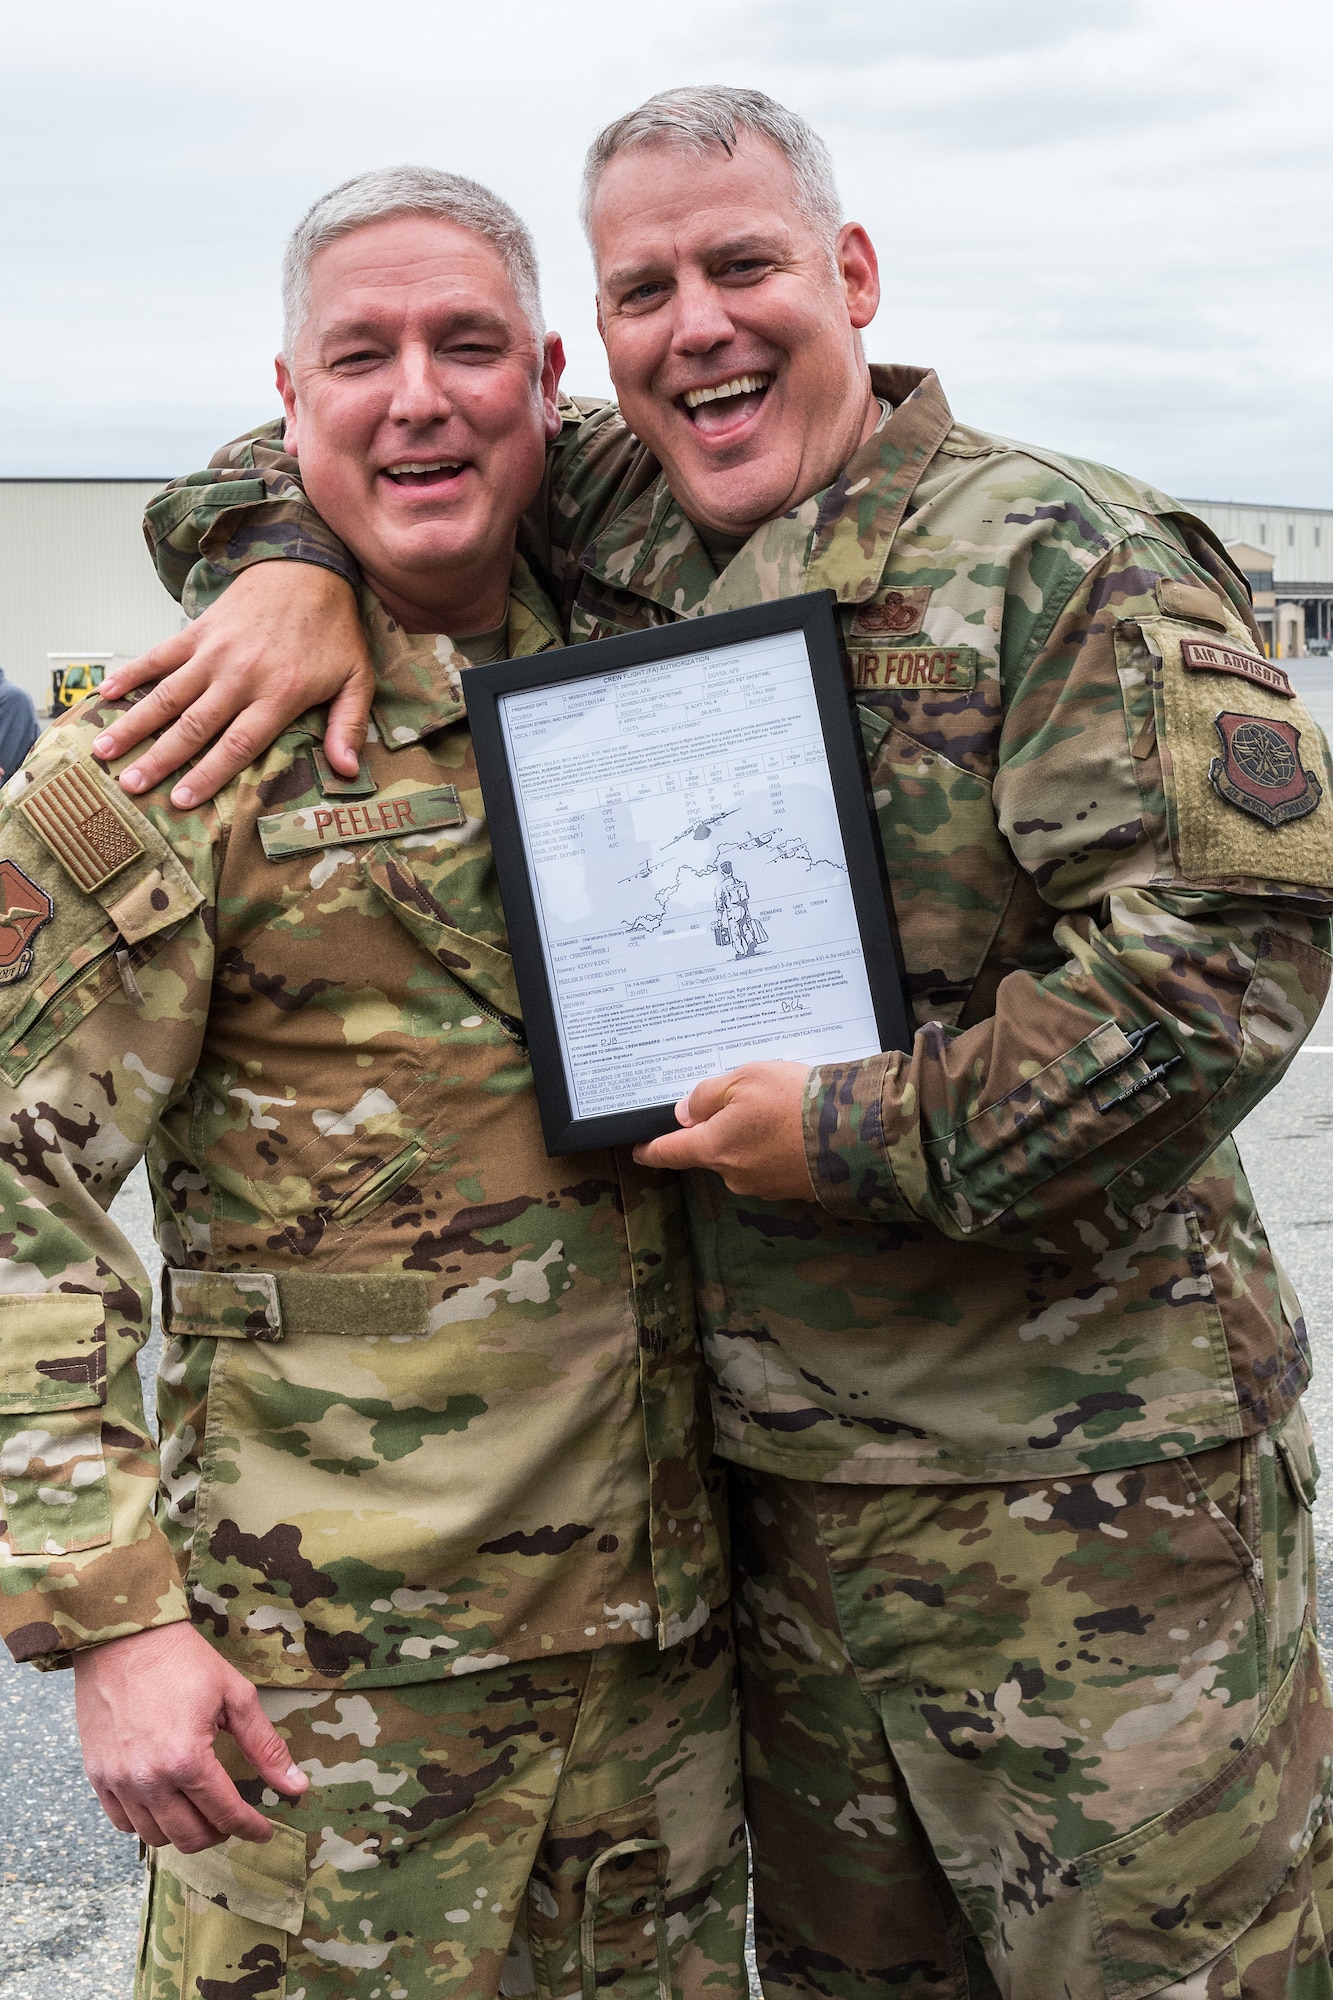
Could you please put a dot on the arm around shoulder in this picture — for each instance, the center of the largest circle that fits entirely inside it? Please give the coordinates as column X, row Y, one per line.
column 247, row 506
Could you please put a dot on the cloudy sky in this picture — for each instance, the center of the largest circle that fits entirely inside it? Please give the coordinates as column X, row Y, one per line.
column 1107, row 225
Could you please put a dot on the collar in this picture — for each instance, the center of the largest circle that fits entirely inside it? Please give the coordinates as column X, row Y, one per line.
column 419, row 675
column 836, row 540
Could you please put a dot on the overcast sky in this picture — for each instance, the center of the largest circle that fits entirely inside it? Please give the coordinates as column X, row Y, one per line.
column 1106, row 225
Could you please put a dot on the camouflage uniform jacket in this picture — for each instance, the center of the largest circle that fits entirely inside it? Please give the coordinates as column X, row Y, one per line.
column 430, row 1400
column 1034, row 1250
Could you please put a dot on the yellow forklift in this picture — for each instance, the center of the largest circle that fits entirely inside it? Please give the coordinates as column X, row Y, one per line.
column 74, row 675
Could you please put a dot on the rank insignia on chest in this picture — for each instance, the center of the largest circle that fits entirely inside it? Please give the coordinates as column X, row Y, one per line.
column 24, row 908
column 338, row 822
column 895, row 614
column 1260, row 769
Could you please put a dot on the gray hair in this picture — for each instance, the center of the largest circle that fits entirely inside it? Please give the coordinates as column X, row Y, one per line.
column 712, row 114
column 389, row 191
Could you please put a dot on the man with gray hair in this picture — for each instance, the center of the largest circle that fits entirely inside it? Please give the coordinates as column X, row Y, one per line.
column 426, row 1545
column 1006, row 1371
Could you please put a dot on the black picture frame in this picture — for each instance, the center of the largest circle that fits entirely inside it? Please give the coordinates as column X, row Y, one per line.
column 814, row 617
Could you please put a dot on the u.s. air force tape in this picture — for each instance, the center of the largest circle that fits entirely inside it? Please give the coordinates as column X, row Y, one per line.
column 338, row 822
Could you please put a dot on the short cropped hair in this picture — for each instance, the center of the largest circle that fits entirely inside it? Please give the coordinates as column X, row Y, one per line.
column 712, row 114
column 389, row 191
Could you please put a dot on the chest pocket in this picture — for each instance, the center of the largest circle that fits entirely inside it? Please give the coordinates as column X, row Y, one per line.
column 483, row 972
column 382, row 1046
column 950, row 870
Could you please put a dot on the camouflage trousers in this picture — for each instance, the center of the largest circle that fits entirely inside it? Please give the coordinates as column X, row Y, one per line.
column 569, row 1826
column 1062, row 1740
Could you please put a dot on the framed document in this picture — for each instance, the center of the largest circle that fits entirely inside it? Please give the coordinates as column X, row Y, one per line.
column 688, row 862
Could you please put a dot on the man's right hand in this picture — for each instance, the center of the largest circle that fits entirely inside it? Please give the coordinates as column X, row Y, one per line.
column 284, row 637
column 149, row 1707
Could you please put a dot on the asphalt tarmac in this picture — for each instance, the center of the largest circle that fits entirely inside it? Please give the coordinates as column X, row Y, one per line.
column 69, row 1883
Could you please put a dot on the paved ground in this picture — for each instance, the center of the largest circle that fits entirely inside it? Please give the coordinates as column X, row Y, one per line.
column 68, row 1881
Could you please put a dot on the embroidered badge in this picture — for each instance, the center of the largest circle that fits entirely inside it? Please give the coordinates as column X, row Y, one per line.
column 338, row 822
column 898, row 611
column 24, row 908
column 1260, row 769
column 892, row 667
column 71, row 815
column 1208, row 656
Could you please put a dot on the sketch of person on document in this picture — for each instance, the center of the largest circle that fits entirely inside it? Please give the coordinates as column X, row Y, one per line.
column 735, row 925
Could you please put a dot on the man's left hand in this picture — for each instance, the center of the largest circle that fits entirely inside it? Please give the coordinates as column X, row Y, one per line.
column 746, row 1126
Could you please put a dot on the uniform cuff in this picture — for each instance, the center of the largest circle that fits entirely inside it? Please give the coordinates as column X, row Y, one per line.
column 846, row 1149
column 75, row 1602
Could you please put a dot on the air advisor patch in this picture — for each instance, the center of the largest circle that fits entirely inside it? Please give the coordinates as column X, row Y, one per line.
column 1260, row 769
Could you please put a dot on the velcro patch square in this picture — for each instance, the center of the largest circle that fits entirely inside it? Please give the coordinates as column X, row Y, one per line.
column 72, row 816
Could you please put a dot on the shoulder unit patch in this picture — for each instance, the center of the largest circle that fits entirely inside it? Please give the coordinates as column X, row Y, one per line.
column 24, row 908
column 1260, row 769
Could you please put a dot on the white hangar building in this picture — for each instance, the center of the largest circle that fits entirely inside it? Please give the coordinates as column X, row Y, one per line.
column 76, row 580
column 76, row 577
column 1287, row 554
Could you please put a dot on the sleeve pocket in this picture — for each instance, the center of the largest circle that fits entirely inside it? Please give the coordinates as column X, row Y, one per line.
column 53, row 1484
column 1052, row 1118
column 52, row 1352
column 53, row 1481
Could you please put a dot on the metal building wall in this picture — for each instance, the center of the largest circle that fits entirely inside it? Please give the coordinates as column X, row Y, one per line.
column 1299, row 538
column 74, row 573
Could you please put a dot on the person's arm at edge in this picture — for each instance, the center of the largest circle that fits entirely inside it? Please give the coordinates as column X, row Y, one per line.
column 93, row 1582
column 271, row 593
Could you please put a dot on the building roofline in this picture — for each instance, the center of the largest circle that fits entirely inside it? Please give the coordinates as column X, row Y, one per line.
column 1256, row 506
column 84, row 479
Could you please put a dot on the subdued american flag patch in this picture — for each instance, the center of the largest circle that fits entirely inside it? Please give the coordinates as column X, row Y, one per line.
column 72, row 816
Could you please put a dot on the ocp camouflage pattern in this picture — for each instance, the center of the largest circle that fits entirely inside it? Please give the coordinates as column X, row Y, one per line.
column 1090, row 1708
column 522, row 1823
column 1034, row 1248
column 431, row 1400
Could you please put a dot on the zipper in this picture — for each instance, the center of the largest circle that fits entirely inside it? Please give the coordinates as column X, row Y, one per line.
column 505, row 1022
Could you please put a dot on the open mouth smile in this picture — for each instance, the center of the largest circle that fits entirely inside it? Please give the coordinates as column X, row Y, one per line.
column 722, row 406
column 418, row 477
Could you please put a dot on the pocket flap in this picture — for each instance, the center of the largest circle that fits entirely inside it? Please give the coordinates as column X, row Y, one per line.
column 480, row 968
column 52, row 1352
column 263, row 1881
column 165, row 895
column 1176, row 1892
column 1295, row 1441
